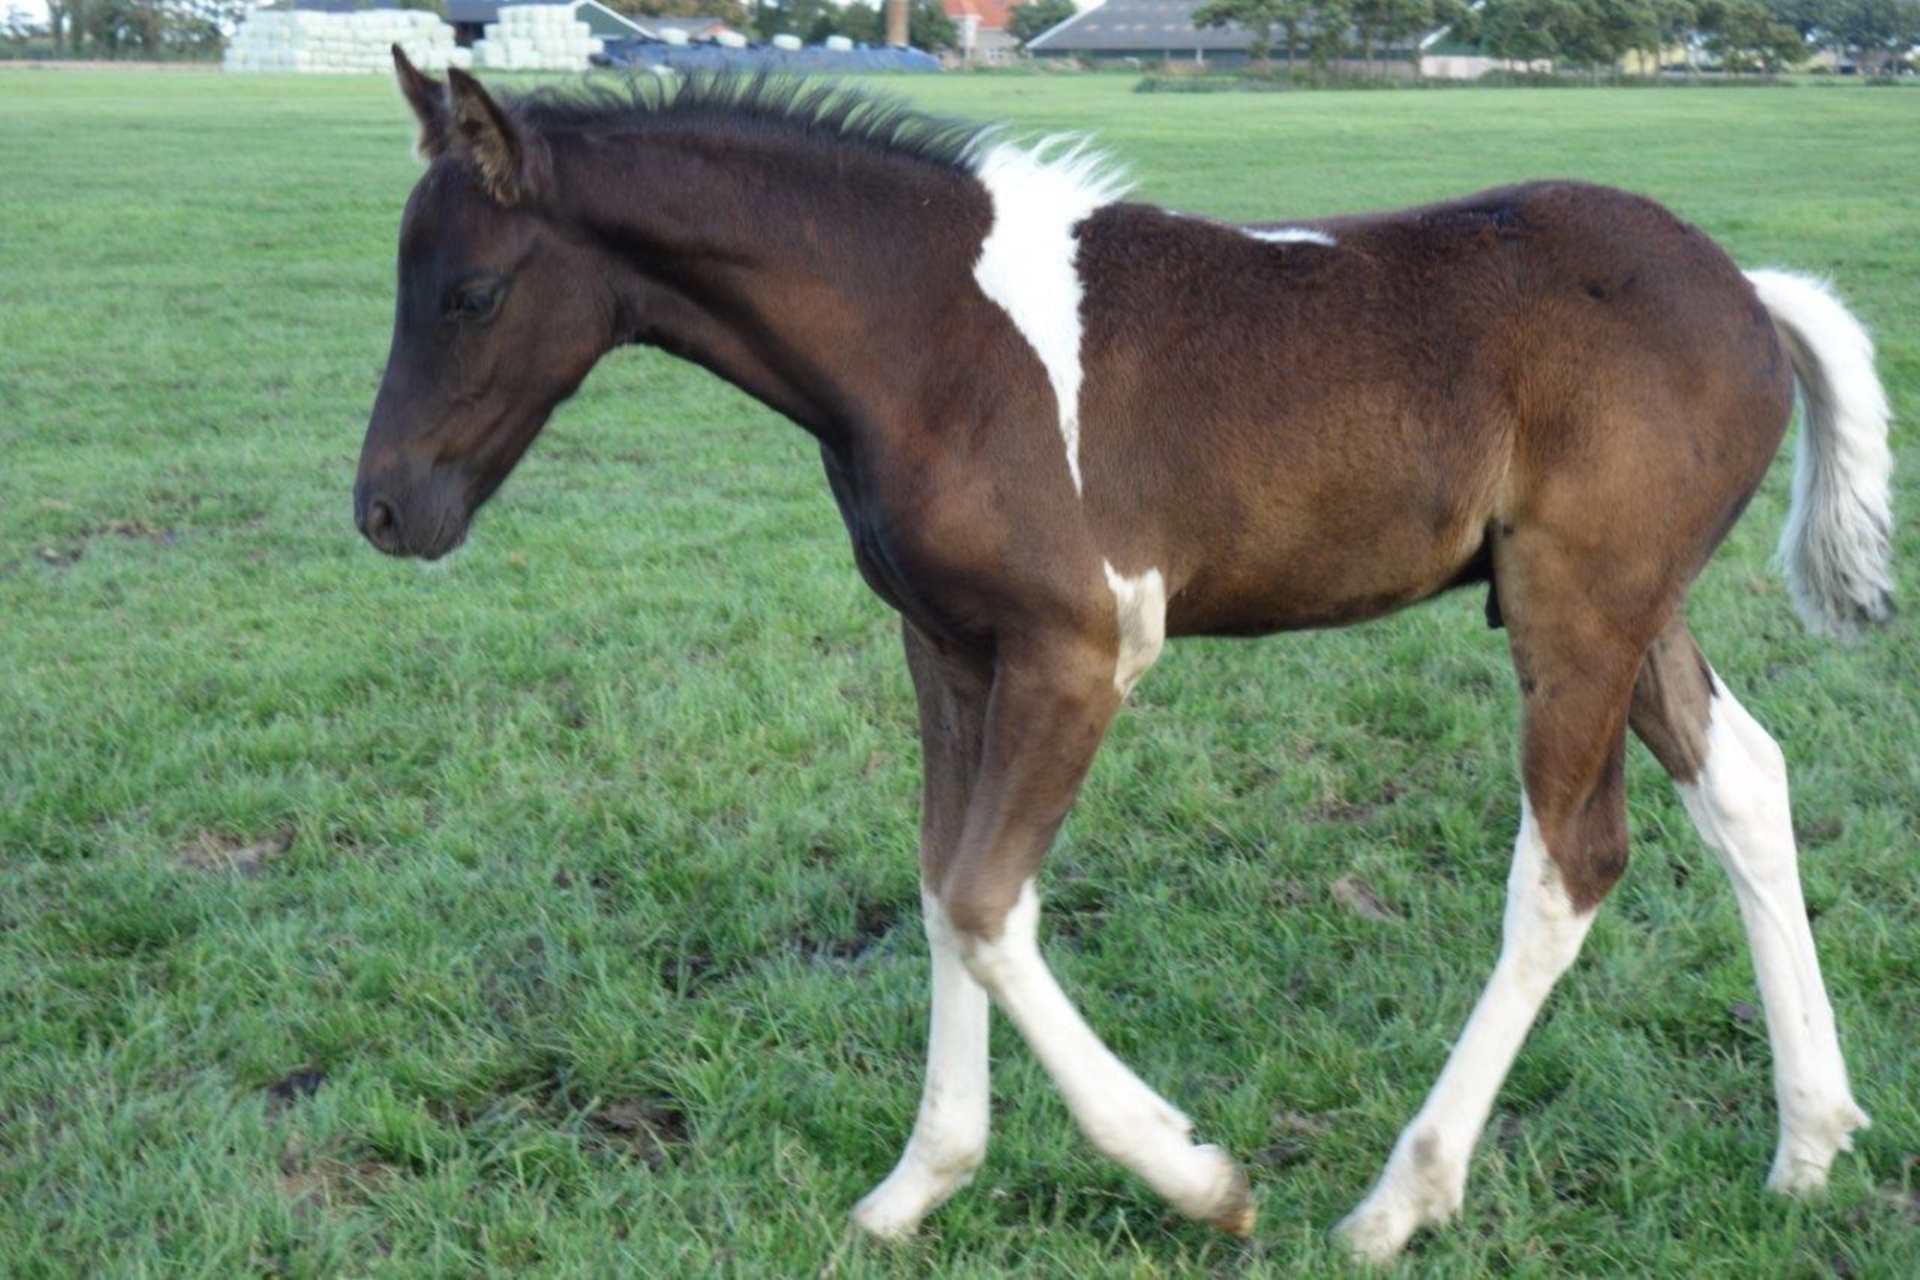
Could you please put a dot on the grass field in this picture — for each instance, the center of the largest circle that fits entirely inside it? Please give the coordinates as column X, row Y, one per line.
column 556, row 908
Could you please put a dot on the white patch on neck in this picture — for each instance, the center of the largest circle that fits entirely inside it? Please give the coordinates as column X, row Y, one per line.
column 1026, row 263
column 1289, row 235
column 1142, row 606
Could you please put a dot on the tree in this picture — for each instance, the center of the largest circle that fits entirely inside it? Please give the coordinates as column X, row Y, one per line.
column 1511, row 29
column 928, row 26
column 1381, row 24
column 17, row 25
column 1745, row 36
column 1327, row 31
column 1880, row 33
column 811, row 20
column 1030, row 20
column 1258, row 17
column 732, row 12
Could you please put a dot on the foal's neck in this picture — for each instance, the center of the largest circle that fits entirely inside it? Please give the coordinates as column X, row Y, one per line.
column 813, row 274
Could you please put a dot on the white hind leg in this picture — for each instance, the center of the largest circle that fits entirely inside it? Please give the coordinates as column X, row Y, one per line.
column 1739, row 803
column 1426, row 1176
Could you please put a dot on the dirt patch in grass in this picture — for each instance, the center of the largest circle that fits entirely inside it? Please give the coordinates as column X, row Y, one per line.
column 313, row 1182
column 1292, row 1137
column 1336, row 809
column 302, row 1082
column 218, row 852
column 68, row 550
column 647, row 1129
column 872, row 921
column 1359, row 897
column 140, row 530
column 690, row 972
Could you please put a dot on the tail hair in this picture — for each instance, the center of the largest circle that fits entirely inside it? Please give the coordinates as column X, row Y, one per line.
column 1837, row 547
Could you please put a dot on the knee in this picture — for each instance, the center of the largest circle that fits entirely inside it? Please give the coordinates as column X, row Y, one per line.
column 1591, row 867
column 983, row 907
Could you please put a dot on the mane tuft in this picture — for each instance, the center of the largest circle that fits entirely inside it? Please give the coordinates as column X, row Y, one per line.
column 760, row 102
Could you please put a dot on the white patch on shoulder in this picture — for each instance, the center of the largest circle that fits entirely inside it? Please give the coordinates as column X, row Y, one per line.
column 1142, row 606
column 1289, row 235
column 1040, row 195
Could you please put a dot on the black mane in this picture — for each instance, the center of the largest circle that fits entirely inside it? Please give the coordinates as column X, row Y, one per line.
column 734, row 102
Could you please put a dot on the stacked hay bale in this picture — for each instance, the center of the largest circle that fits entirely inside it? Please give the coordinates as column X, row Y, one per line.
column 341, row 43
column 537, row 37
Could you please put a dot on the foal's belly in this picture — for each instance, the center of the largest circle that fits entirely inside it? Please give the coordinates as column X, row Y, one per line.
column 1303, row 601
column 1298, row 568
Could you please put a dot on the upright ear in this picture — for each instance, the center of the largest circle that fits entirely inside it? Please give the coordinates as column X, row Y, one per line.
column 509, row 158
column 428, row 98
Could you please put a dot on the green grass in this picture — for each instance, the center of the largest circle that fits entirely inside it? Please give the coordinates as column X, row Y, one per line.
column 557, row 908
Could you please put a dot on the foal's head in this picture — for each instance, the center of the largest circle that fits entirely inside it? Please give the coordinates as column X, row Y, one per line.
column 500, row 316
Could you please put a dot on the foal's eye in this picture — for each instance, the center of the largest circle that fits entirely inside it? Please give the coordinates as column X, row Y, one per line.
column 475, row 302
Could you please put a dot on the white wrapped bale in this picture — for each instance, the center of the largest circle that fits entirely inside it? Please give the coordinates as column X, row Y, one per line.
column 339, row 43
column 537, row 37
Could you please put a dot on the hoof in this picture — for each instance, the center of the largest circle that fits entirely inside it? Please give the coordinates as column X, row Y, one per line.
column 1234, row 1212
column 893, row 1211
column 1800, row 1165
column 1370, row 1237
column 878, row 1222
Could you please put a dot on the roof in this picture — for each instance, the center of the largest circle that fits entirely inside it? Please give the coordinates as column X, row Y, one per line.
column 604, row 21
column 994, row 15
column 486, row 10
column 1146, row 27
column 689, row 25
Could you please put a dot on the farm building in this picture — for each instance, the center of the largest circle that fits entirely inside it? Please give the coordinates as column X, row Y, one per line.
column 470, row 18
column 984, row 28
column 1164, row 31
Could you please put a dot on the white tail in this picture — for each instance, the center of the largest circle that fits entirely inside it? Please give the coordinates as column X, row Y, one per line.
column 1839, row 535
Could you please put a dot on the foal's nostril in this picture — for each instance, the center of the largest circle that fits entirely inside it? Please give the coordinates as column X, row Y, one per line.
column 381, row 526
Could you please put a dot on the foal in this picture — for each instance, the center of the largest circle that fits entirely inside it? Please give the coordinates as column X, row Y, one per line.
column 1062, row 427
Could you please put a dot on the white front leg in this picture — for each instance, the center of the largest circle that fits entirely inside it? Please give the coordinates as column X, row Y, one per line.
column 1123, row 1118
column 950, row 1134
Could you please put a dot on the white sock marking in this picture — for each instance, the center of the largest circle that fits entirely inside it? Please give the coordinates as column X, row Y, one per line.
column 1740, row 805
column 1026, row 263
column 1427, row 1173
column 1123, row 1118
column 1142, row 605
column 1289, row 235
column 950, row 1133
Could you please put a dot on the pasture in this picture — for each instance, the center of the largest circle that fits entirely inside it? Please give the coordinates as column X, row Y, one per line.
column 555, row 907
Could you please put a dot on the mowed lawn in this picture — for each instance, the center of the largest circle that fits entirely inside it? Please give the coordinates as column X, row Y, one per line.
column 556, row 908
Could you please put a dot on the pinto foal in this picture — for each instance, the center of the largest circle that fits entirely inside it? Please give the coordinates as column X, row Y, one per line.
column 1062, row 427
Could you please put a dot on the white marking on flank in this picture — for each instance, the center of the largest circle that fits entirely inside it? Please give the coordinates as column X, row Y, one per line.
column 1142, row 606
column 1026, row 263
column 1123, row 1118
column 1289, row 235
column 950, row 1136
